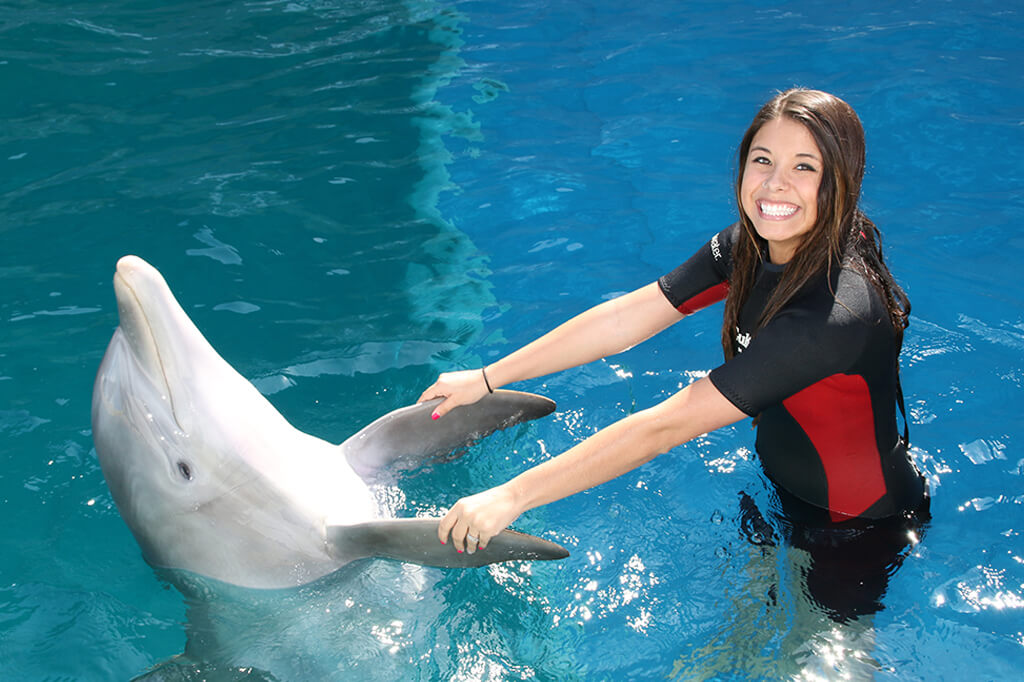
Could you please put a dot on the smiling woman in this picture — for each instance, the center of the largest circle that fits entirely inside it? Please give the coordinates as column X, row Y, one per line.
column 812, row 332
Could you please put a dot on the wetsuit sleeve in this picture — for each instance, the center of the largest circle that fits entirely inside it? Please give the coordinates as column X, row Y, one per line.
column 704, row 278
column 800, row 346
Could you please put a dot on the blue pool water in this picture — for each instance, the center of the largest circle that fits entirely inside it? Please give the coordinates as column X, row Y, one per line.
column 349, row 197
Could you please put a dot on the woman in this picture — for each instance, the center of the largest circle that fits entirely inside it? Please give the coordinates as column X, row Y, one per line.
column 812, row 330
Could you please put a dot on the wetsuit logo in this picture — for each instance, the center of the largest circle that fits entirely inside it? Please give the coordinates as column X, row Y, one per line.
column 742, row 340
column 716, row 250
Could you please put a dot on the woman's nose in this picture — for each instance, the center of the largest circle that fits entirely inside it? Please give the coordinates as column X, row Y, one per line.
column 775, row 181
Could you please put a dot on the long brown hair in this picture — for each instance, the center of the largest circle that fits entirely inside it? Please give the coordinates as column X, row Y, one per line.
column 842, row 235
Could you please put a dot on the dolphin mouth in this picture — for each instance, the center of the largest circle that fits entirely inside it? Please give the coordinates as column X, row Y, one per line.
column 137, row 331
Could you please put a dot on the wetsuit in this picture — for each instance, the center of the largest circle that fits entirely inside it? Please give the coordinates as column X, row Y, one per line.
column 822, row 376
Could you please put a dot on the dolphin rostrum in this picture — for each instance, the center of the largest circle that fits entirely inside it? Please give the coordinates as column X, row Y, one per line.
column 211, row 479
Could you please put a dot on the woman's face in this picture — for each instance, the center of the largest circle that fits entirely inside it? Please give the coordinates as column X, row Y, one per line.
column 780, row 185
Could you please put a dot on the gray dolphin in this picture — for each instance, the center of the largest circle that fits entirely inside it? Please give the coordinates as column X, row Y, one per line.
column 211, row 479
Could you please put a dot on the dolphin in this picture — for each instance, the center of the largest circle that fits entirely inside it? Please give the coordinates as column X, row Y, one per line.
column 211, row 479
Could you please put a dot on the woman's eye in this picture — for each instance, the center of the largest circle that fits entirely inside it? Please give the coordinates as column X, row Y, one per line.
column 807, row 167
column 763, row 160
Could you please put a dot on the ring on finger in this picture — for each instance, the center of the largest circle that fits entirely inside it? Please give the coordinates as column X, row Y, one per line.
column 472, row 538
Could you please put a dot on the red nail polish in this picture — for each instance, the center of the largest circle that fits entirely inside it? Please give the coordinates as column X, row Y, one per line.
column 435, row 416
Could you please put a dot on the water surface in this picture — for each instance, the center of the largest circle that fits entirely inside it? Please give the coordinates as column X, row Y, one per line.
column 349, row 197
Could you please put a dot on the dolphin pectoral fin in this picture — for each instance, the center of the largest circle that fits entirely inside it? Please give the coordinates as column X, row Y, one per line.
column 415, row 541
column 407, row 437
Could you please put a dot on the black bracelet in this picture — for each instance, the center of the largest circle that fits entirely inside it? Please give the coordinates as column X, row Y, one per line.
column 483, row 370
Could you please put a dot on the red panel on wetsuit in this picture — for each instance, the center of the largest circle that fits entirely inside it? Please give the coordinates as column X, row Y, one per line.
column 704, row 299
column 836, row 415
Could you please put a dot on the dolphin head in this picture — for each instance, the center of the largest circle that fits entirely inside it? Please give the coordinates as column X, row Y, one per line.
column 207, row 474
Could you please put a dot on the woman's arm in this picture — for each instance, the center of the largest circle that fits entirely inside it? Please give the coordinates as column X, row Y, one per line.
column 605, row 329
column 621, row 447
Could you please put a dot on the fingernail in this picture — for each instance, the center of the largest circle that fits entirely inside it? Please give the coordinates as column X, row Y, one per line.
column 435, row 416
column 459, row 551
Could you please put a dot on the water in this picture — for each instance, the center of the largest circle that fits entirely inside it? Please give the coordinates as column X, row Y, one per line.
column 349, row 197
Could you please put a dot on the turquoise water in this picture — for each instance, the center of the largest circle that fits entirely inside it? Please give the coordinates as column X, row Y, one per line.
column 349, row 197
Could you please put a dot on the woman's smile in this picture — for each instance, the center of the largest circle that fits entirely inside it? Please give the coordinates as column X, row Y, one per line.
column 776, row 211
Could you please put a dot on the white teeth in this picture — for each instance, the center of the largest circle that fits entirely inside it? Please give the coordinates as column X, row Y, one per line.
column 777, row 210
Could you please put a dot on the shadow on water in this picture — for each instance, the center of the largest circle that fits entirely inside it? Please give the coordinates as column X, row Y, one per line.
column 295, row 146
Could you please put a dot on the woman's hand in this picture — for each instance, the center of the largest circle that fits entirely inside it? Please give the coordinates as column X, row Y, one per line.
column 457, row 388
column 474, row 520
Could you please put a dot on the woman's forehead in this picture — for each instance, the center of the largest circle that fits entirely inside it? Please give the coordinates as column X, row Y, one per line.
column 785, row 136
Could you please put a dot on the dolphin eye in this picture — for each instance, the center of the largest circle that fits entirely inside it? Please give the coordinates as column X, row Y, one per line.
column 185, row 470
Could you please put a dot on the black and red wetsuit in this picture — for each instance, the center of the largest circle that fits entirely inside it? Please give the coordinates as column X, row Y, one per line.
column 822, row 375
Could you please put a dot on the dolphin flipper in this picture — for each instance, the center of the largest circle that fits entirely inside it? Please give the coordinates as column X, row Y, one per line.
column 415, row 541
column 406, row 437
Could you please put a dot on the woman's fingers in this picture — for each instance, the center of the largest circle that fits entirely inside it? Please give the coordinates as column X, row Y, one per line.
column 454, row 526
column 444, row 407
column 472, row 542
column 475, row 520
column 428, row 394
column 457, row 388
column 444, row 529
column 438, row 389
